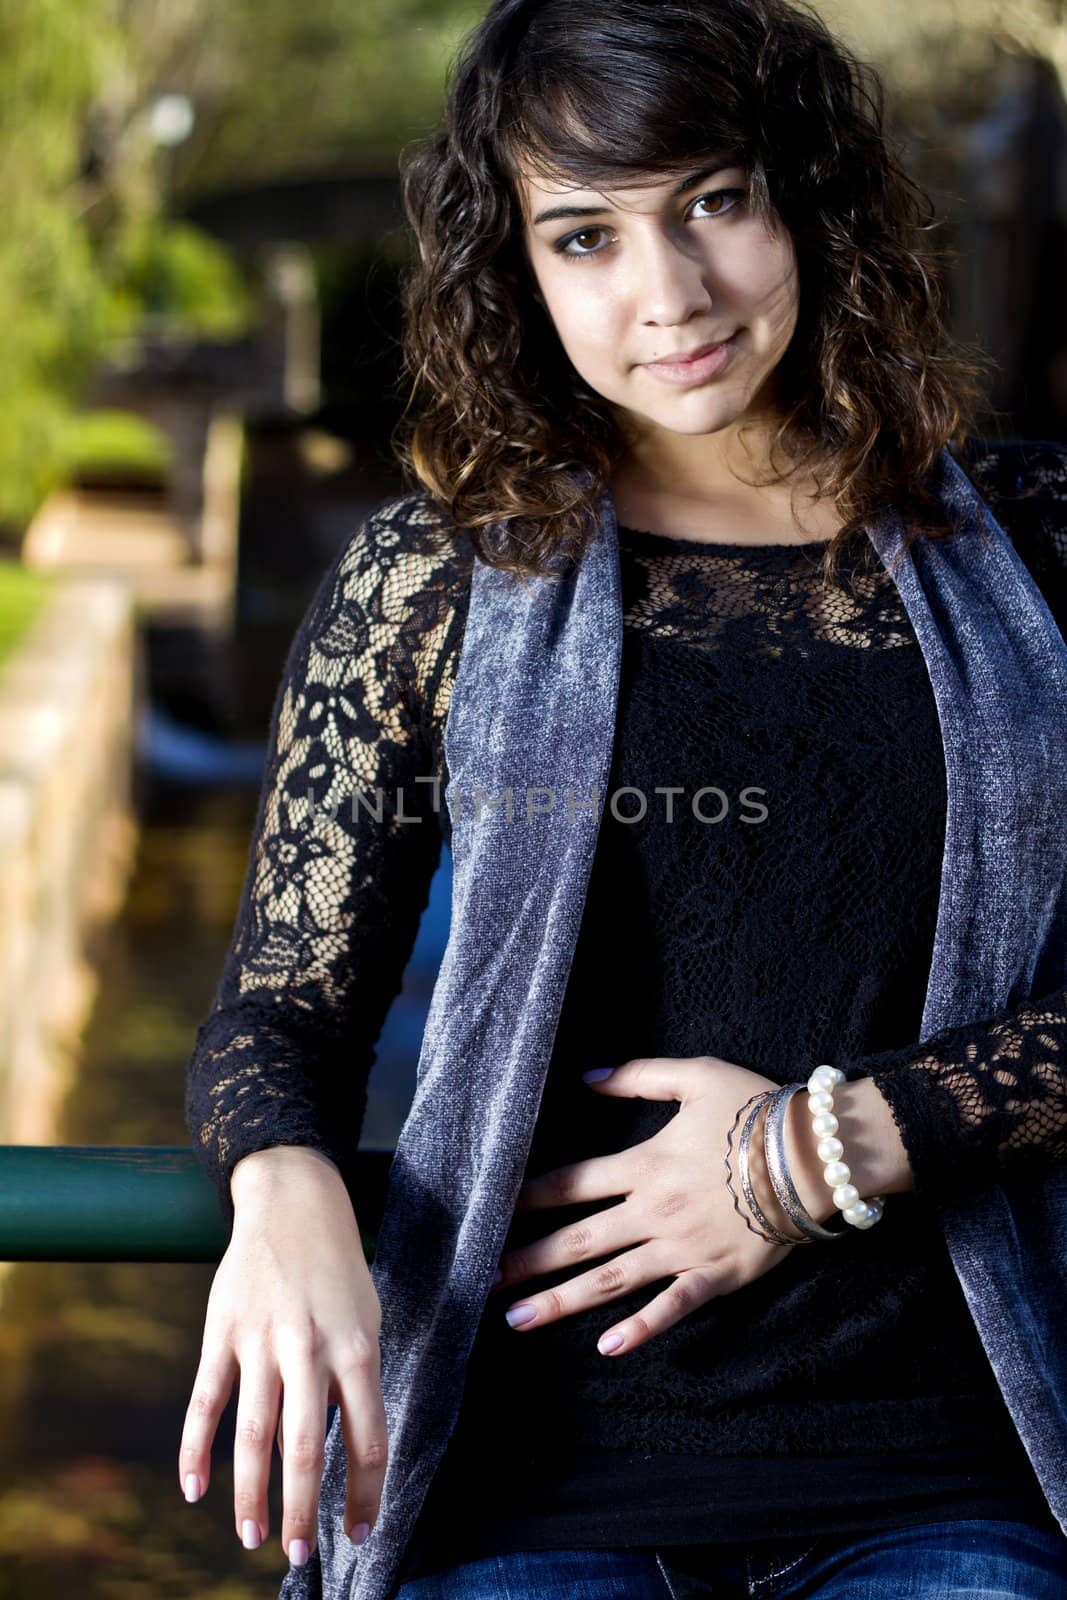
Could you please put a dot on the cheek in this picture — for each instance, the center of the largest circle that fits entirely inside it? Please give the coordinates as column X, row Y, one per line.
column 765, row 274
column 788, row 306
column 584, row 317
column 774, row 303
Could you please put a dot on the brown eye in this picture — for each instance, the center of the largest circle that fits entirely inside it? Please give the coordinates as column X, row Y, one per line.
column 563, row 247
column 722, row 194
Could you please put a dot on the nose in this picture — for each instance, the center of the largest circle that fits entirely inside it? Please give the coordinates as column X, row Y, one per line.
column 672, row 284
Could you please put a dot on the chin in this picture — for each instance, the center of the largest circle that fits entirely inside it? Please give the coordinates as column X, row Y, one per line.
column 710, row 422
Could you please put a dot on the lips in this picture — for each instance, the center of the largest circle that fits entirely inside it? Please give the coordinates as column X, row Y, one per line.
column 691, row 372
column 689, row 355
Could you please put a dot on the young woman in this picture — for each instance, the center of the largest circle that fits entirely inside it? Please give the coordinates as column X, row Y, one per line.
column 674, row 292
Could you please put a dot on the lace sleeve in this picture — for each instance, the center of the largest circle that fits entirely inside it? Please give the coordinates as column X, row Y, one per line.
column 979, row 1101
column 991, row 1097
column 343, row 850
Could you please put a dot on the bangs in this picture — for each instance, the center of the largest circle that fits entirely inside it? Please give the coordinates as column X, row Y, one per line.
column 600, row 105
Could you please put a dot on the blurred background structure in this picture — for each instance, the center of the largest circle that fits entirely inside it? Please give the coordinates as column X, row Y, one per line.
column 198, row 290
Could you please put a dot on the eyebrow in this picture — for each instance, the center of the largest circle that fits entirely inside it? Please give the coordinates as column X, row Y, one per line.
column 557, row 213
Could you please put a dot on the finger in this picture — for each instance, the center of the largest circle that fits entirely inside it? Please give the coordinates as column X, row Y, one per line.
column 577, row 1244
column 363, row 1427
column 257, row 1408
column 691, row 1289
column 212, row 1388
column 621, row 1275
column 301, row 1443
column 597, row 1179
column 654, row 1077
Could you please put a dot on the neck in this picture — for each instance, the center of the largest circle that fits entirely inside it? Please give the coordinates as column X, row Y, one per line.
column 710, row 501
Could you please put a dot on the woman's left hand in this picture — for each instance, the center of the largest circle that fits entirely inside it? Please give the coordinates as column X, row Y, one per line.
column 677, row 1212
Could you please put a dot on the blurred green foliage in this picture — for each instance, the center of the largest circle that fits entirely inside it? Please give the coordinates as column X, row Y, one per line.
column 101, row 445
column 85, row 252
column 173, row 271
column 54, row 305
column 22, row 594
column 311, row 84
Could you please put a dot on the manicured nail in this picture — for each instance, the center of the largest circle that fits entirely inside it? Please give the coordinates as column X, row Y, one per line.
column 192, row 1487
column 609, row 1342
column 520, row 1314
column 595, row 1074
column 250, row 1536
column 359, row 1532
column 298, row 1552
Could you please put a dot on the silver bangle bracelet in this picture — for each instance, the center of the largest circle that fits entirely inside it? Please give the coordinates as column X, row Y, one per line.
column 745, row 1216
column 771, row 1233
column 778, row 1169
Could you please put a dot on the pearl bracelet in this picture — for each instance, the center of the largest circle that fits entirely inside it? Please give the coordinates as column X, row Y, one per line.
column 860, row 1213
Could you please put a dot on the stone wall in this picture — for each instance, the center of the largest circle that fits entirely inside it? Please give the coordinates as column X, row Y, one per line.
column 70, row 698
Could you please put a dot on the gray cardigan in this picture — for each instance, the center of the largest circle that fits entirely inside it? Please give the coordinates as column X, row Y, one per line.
column 533, row 712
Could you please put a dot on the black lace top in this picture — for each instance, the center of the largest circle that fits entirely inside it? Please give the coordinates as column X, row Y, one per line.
column 845, row 1389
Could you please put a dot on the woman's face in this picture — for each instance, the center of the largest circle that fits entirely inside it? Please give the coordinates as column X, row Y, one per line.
column 645, row 274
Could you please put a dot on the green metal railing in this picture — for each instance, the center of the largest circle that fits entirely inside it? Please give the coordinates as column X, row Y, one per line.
column 133, row 1203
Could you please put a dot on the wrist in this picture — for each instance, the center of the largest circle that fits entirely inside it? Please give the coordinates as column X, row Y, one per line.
column 874, row 1152
column 760, row 1179
column 260, row 1174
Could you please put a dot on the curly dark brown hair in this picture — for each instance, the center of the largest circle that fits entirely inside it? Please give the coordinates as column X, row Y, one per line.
column 501, row 430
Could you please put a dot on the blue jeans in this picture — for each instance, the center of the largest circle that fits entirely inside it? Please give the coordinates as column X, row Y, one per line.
column 964, row 1560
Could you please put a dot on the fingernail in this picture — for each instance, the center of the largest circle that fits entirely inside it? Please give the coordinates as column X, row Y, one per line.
column 250, row 1534
column 192, row 1487
column 609, row 1342
column 595, row 1074
column 298, row 1552
column 359, row 1532
column 520, row 1314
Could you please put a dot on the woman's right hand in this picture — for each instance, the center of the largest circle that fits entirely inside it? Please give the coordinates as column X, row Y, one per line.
column 294, row 1310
